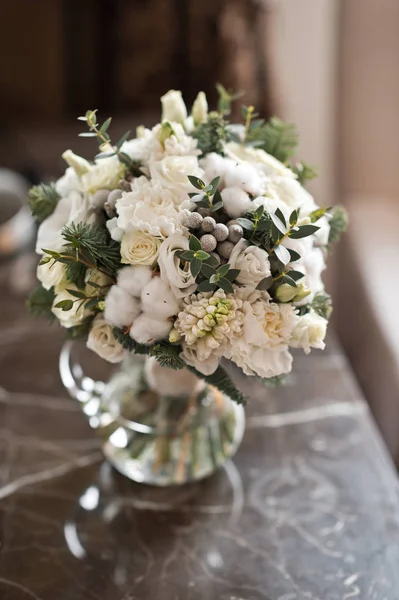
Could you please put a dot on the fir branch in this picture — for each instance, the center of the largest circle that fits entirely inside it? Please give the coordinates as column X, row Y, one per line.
column 275, row 137
column 338, row 224
column 128, row 343
column 168, row 356
column 93, row 244
column 221, row 380
column 75, row 272
column 40, row 303
column 42, row 201
column 212, row 134
column 304, row 172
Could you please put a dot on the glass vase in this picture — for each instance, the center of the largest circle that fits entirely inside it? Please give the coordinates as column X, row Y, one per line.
column 157, row 426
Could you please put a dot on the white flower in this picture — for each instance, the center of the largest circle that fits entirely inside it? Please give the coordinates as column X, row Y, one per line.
column 200, row 109
column 246, row 177
column 321, row 236
column 158, row 300
column 236, row 202
column 138, row 248
column 104, row 174
column 252, row 261
column 312, row 264
column 215, row 165
column 173, row 107
column 207, row 366
column 74, row 316
column 173, row 272
column 309, row 332
column 264, row 362
column 292, row 195
column 146, row 329
column 77, row 163
column 121, row 309
column 51, row 274
column 134, row 279
column 266, row 163
column 69, row 182
column 115, row 232
column 172, row 172
column 139, row 148
column 101, row 340
column 73, row 208
column 270, row 205
column 150, row 208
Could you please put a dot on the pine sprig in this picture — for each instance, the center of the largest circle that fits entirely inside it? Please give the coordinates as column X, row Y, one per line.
column 94, row 243
column 338, row 224
column 40, row 303
column 211, row 135
column 276, row 137
column 42, row 201
column 168, row 356
column 221, row 380
column 128, row 343
column 304, row 172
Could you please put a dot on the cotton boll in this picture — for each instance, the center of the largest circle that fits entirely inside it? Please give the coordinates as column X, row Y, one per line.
column 236, row 202
column 246, row 177
column 157, row 299
column 115, row 232
column 134, row 279
column 121, row 308
column 215, row 165
column 146, row 329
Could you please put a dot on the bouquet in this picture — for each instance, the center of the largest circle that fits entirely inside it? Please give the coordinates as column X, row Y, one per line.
column 191, row 242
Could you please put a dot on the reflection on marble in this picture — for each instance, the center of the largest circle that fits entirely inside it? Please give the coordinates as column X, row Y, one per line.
column 308, row 510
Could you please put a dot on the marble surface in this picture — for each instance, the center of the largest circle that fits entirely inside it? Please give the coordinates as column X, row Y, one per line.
column 307, row 510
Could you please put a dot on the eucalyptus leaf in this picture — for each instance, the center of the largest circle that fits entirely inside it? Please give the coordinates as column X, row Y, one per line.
column 303, row 231
column 202, row 255
column 65, row 305
column 194, row 243
column 186, row 255
column 223, row 270
column 294, row 255
column 282, row 254
column 207, row 270
column 226, row 285
column 232, row 274
column 122, row 140
column 76, row 293
column 196, row 182
column 296, row 275
column 280, row 216
column 278, row 223
column 245, row 223
column 206, row 286
column 265, row 284
column 195, row 267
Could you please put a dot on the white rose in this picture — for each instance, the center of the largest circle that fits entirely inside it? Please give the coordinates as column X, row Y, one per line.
column 121, row 309
column 138, row 248
column 207, row 366
column 309, row 332
column 73, row 208
column 200, row 109
column 146, row 329
column 252, row 261
column 101, row 340
column 269, row 165
column 74, row 316
column 173, row 107
column 172, row 172
column 134, row 279
column 158, row 300
column 236, row 202
column 177, row 275
column 51, row 274
column 104, row 174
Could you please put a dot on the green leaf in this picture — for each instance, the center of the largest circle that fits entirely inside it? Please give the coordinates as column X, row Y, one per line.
column 322, row 305
column 202, row 255
column 104, row 155
column 278, row 223
column 214, row 278
column 76, row 293
column 207, row 270
column 196, row 182
column 223, row 270
column 211, row 135
column 265, row 284
column 185, row 255
column 294, row 255
column 304, row 172
column 289, row 280
column 42, row 201
column 206, row 286
column 194, row 243
column 212, row 261
column 105, row 125
column 40, row 303
column 275, row 137
column 214, row 185
column 282, row 254
column 338, row 224
column 92, row 302
column 122, row 140
column 294, row 217
column 303, row 231
column 245, row 223
column 232, row 274
column 259, row 211
column 318, row 213
column 225, row 285
column 280, row 216
column 195, row 267
column 64, row 304
column 296, row 275
column 216, row 206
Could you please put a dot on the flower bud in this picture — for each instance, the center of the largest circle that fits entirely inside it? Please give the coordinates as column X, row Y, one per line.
column 79, row 165
column 286, row 292
column 301, row 292
column 173, row 107
column 199, row 111
column 165, row 132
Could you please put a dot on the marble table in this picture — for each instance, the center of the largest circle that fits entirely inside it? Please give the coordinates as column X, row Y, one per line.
column 307, row 510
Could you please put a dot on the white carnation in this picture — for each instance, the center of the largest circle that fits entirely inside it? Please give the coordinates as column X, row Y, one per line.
column 173, row 272
column 104, row 174
column 146, row 329
column 253, row 263
column 158, row 300
column 173, row 107
column 102, row 341
column 266, row 163
column 134, row 279
column 121, row 309
column 51, row 274
column 206, row 366
column 236, row 202
column 309, row 332
column 172, row 173
column 138, row 248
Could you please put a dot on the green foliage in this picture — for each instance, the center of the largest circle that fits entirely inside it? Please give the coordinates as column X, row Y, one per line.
column 221, row 380
column 304, row 172
column 226, row 98
column 212, row 134
column 273, row 381
column 42, row 201
column 275, row 137
column 168, row 356
column 128, row 343
column 322, row 305
column 318, row 213
column 40, row 303
column 80, row 331
column 338, row 223
column 92, row 244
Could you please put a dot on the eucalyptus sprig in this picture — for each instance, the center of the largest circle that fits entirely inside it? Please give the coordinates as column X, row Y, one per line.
column 209, row 197
column 226, row 98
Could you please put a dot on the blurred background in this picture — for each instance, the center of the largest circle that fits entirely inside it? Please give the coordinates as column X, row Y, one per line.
column 328, row 65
